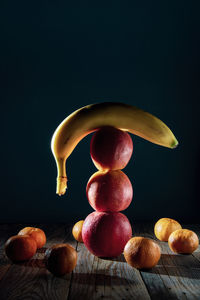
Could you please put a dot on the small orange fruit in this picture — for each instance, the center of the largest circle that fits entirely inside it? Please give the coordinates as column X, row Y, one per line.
column 20, row 248
column 77, row 231
column 183, row 241
column 61, row 259
column 36, row 233
column 164, row 227
column 142, row 253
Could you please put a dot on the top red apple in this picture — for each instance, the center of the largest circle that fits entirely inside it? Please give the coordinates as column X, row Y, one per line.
column 111, row 148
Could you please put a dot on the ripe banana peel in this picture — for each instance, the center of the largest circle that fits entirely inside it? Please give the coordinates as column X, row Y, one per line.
column 92, row 117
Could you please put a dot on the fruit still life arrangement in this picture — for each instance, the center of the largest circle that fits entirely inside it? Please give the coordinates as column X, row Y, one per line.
column 109, row 191
column 106, row 232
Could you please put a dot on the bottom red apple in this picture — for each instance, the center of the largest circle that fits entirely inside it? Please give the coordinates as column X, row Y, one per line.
column 105, row 234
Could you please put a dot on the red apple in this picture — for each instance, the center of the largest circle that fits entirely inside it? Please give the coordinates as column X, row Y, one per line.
column 109, row 191
column 111, row 148
column 105, row 234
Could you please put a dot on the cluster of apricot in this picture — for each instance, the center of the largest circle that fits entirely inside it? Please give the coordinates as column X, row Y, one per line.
column 179, row 240
column 24, row 245
column 59, row 259
column 144, row 253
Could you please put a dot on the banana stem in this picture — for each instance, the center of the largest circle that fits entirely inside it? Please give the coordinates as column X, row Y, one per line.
column 62, row 177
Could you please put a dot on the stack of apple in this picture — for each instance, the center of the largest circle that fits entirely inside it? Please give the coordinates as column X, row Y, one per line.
column 106, row 231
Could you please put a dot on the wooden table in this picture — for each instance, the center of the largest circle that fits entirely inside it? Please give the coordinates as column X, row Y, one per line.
column 175, row 276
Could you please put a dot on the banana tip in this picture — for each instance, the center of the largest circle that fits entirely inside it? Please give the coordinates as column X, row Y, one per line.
column 174, row 144
column 61, row 185
column 60, row 193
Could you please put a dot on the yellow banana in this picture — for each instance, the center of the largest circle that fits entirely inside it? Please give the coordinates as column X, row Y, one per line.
column 91, row 117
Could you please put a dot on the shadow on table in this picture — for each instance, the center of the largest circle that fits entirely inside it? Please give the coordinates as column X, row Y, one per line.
column 117, row 259
column 183, row 265
column 35, row 262
column 40, row 262
column 100, row 279
column 42, row 250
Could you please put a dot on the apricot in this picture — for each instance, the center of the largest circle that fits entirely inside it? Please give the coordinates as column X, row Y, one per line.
column 36, row 233
column 183, row 241
column 77, row 231
column 164, row 227
column 20, row 248
column 142, row 253
column 60, row 259
column 106, row 233
column 109, row 191
column 110, row 148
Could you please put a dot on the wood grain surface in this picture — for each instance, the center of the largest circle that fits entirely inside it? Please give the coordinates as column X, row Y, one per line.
column 175, row 276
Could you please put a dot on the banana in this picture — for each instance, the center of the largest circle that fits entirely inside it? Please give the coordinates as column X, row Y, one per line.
column 91, row 117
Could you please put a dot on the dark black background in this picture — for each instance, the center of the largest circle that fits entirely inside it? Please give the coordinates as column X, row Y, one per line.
column 57, row 56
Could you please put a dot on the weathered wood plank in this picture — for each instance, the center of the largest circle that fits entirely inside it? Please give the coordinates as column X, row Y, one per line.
column 31, row 280
column 97, row 278
column 121, row 281
column 175, row 277
column 83, row 279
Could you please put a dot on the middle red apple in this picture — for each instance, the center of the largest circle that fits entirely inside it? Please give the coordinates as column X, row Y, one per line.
column 109, row 191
